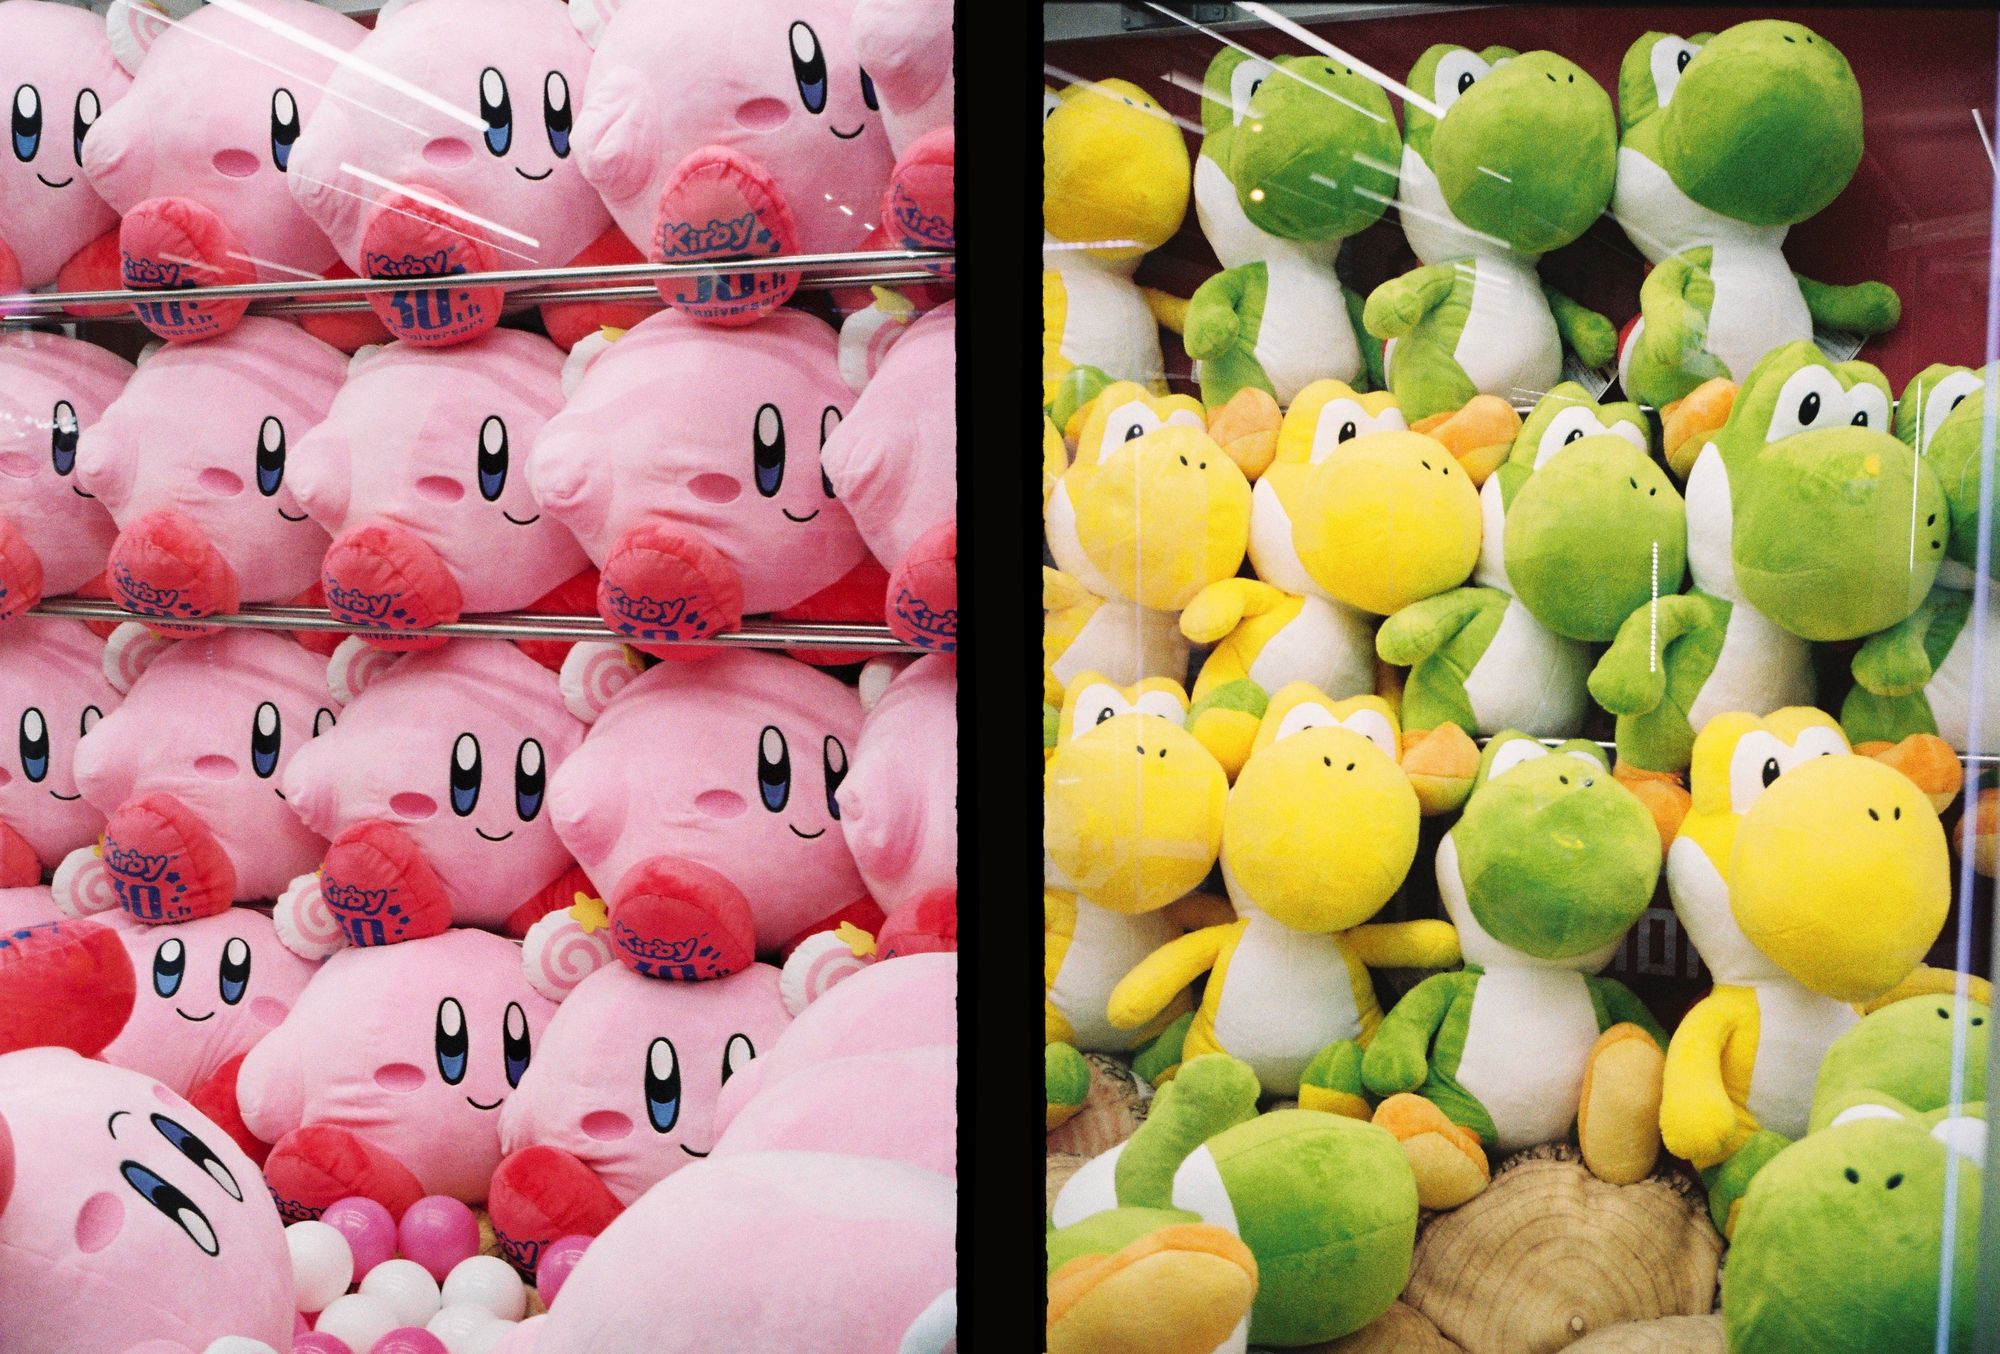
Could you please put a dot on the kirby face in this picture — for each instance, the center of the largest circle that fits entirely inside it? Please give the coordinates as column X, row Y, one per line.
column 470, row 101
column 414, row 1046
column 206, row 431
column 435, row 442
column 777, row 81
column 127, row 1216
column 207, row 991
column 51, row 389
column 214, row 723
column 219, row 103
column 52, row 693
column 761, row 745
column 58, row 77
column 899, row 803
column 456, row 748
column 741, row 466
column 627, row 1078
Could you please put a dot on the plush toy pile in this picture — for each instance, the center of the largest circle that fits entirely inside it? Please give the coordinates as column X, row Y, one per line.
column 1392, row 554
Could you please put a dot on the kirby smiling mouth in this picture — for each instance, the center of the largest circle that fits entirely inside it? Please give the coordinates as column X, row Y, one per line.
column 289, row 518
column 691, row 1152
column 534, row 178
column 193, row 1020
column 807, row 518
column 859, row 128
column 67, row 799
column 807, row 836
column 490, row 837
column 482, row 1105
column 79, row 493
column 521, row 521
column 64, row 184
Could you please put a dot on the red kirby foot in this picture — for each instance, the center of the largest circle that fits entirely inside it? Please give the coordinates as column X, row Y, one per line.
column 918, row 206
column 65, row 984
column 853, row 600
column 10, row 272
column 216, row 1098
column 171, row 244
column 406, row 237
column 20, row 866
column 923, row 591
column 165, row 865
column 384, row 575
column 380, row 888
column 314, row 1167
column 162, row 564
column 541, row 1194
column 347, row 330
column 20, row 572
column 662, row 586
column 95, row 267
column 721, row 204
column 676, row 918
column 925, row 925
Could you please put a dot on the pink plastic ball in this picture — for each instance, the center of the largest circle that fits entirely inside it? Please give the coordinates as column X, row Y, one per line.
column 438, row 1232
column 370, row 1231
column 300, row 1326
column 556, row 1263
column 319, row 1342
column 409, row 1340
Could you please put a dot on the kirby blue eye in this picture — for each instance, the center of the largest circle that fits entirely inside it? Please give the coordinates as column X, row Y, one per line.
column 497, row 110
column 735, row 1054
column 531, row 777
column 34, row 745
column 266, row 735
column 767, row 448
column 169, row 967
column 27, row 122
column 663, row 1085
column 492, row 458
column 178, row 1208
column 774, row 769
column 200, row 1153
column 63, row 429
column 284, row 127
column 464, row 774
column 809, row 65
column 868, row 92
column 829, row 419
column 235, row 970
column 514, row 1042
column 451, row 1041
column 556, row 114
column 270, row 456
column 836, row 772
column 87, row 109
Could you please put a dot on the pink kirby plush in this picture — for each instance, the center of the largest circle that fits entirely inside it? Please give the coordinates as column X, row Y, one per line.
column 52, row 692
column 128, row 1221
column 894, row 463
column 899, row 803
column 188, row 771
column 191, row 461
column 444, row 147
column 60, row 77
column 729, row 845
column 745, row 130
column 54, row 536
column 622, row 1095
column 195, row 156
column 25, row 906
column 687, row 462
column 431, row 792
column 770, row 1250
column 420, row 473
column 387, row 1078
column 905, row 46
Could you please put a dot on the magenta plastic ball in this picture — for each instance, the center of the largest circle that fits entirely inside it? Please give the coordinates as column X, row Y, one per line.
column 319, row 1342
column 409, row 1340
column 437, row 1232
column 370, row 1231
column 557, row 1261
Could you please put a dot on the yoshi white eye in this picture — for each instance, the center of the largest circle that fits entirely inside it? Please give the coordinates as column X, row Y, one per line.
column 1457, row 72
column 1513, row 753
column 1671, row 56
column 1303, row 716
column 1632, row 433
column 1340, row 421
column 1963, row 1135
column 1591, row 760
column 1185, row 418
column 1571, row 425
column 1818, row 741
column 1374, row 726
column 1938, row 402
column 1855, row 1114
column 1133, row 419
column 1811, row 399
column 1094, row 704
column 1050, row 102
column 1244, row 82
column 1761, row 757
column 1162, row 704
column 1868, row 407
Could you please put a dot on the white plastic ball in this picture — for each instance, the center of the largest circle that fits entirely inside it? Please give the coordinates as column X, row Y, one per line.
column 407, row 1287
column 322, row 1264
column 466, row 1329
column 488, row 1337
column 239, row 1344
column 358, row 1319
column 487, row 1281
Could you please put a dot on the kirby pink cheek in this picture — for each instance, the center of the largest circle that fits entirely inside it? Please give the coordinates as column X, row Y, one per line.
column 607, row 1125
column 721, row 803
column 99, row 1221
column 447, row 152
column 268, row 1010
column 401, row 1078
column 763, row 114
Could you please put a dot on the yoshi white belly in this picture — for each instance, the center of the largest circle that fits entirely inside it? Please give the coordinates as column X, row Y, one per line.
column 1530, row 679
column 1329, row 644
column 1287, row 995
column 1956, row 687
column 1306, row 335
column 1795, row 1027
column 1108, row 325
column 1104, row 948
column 1761, row 668
column 1125, row 643
column 1509, row 346
column 1527, row 1040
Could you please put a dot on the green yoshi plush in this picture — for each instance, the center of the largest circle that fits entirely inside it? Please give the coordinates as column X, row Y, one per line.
column 1728, row 141
column 1581, row 528
column 1517, row 160
column 1298, row 154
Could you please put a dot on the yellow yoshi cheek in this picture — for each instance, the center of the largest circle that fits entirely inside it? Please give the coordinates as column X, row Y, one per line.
column 1387, row 520
column 1840, row 874
column 1165, row 515
column 1133, row 813
column 1115, row 171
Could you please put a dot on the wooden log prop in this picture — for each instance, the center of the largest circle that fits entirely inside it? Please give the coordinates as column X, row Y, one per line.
column 1112, row 1111
column 1666, row 1335
column 1400, row 1330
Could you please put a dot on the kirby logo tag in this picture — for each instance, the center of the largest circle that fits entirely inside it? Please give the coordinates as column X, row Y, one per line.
column 690, row 960
column 351, row 604
column 352, row 898
column 942, row 626
column 134, row 865
column 737, row 236
column 637, row 610
column 139, row 595
column 913, row 222
column 152, row 275
column 414, row 265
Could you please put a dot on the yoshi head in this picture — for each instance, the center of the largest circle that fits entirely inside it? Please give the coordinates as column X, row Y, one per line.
column 1115, row 170
column 1905, row 1050
column 1132, row 804
column 1524, row 146
column 1151, row 509
column 1594, row 528
column 1953, row 412
column 1322, row 823
column 1553, row 859
column 1310, row 146
column 1760, row 123
column 1837, row 528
